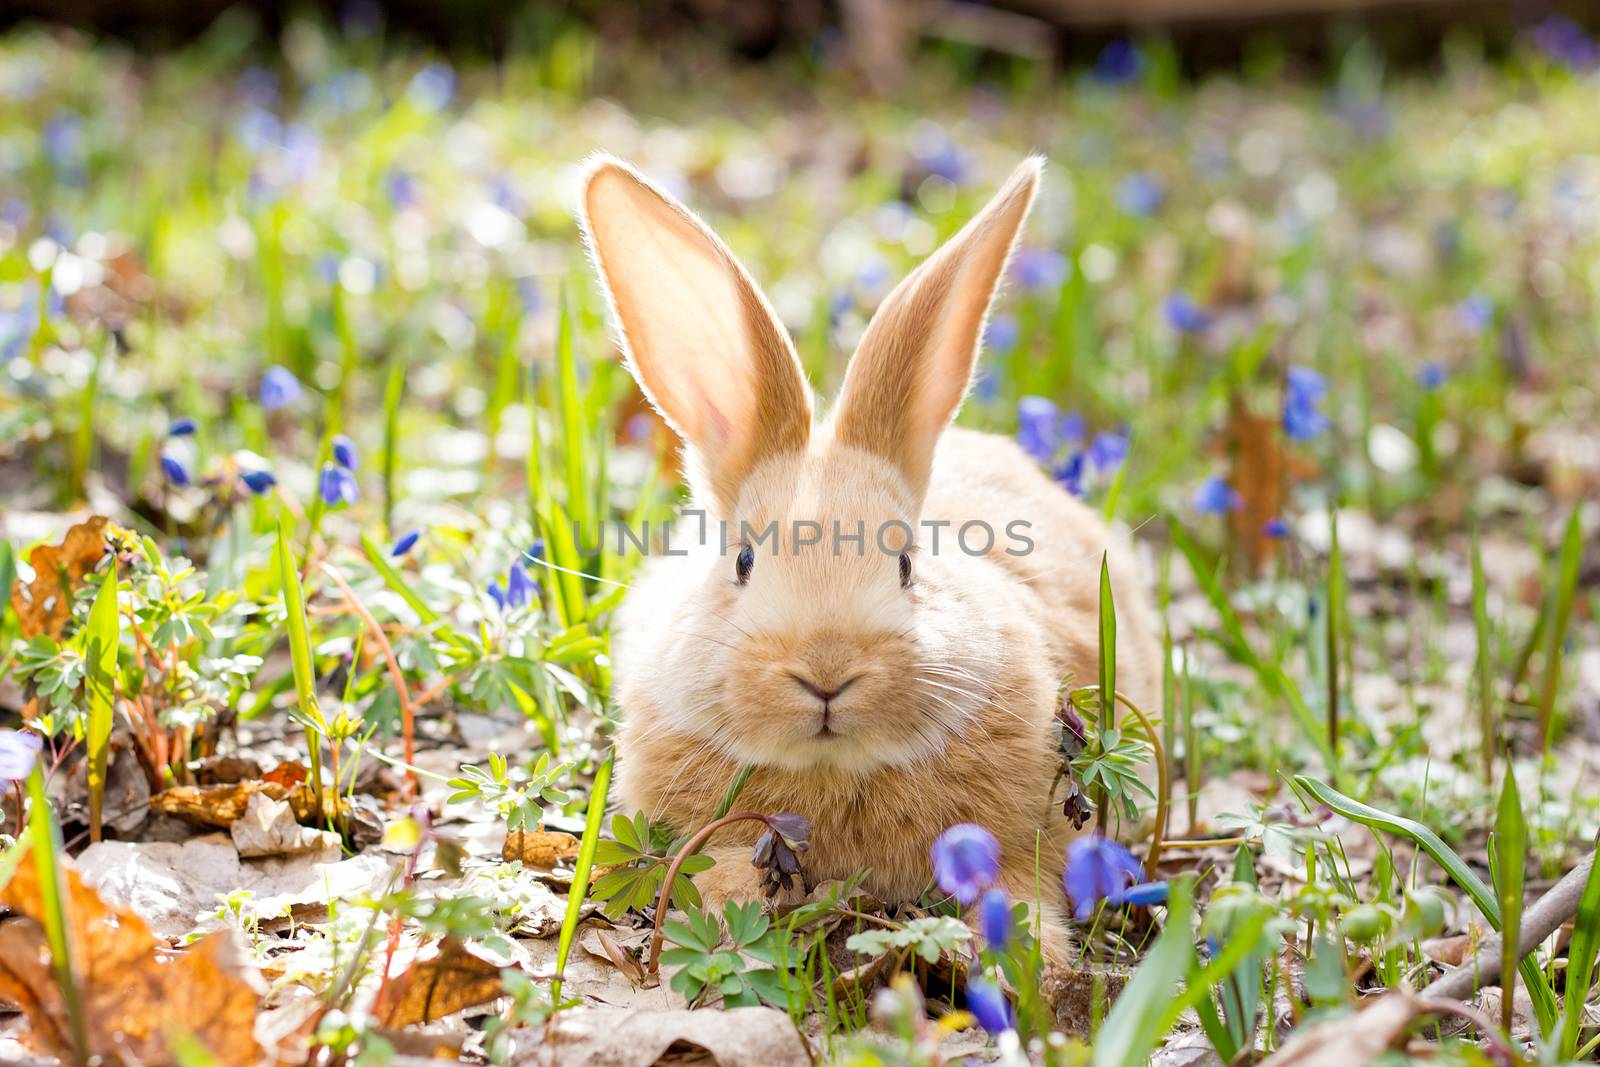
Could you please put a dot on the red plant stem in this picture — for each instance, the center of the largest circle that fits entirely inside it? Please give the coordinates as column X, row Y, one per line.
column 689, row 848
column 396, row 675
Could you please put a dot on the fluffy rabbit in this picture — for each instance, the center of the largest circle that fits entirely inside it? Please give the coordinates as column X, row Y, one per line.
column 885, row 690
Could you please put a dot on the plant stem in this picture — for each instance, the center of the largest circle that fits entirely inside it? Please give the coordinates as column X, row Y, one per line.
column 1159, row 831
column 689, row 848
column 396, row 675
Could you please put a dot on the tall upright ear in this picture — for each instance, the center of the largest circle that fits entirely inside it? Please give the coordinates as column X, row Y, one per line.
column 912, row 368
column 703, row 343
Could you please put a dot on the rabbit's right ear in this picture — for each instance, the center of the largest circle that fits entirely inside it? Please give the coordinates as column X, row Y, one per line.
column 701, row 340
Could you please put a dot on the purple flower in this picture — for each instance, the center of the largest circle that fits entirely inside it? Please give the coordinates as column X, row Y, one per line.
column 1431, row 375
column 1565, row 42
column 1039, row 269
column 1216, row 497
column 1143, row 895
column 183, row 426
column 336, row 485
column 18, row 753
column 497, row 594
column 939, row 155
column 528, row 295
column 258, row 482
column 1276, row 528
column 536, row 550
column 63, row 140
column 432, row 87
column 994, row 919
column 1001, row 334
column 1475, row 313
column 1184, row 315
column 279, row 388
column 401, row 186
column 1097, row 869
column 520, row 588
column 966, row 861
column 344, row 452
column 1302, row 402
column 406, row 543
column 989, row 1005
column 1141, row 194
column 1038, row 424
column 174, row 469
column 1069, row 474
column 1120, row 62
column 1108, row 450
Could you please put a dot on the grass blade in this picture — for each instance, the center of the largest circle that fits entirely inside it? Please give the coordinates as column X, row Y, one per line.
column 47, row 848
column 1510, row 859
column 1566, row 592
column 1133, row 1028
column 1484, row 666
column 1580, row 962
column 580, row 873
column 1539, row 991
column 393, row 390
column 1335, row 621
column 1108, row 676
column 305, row 677
column 572, row 424
column 102, row 635
column 8, row 575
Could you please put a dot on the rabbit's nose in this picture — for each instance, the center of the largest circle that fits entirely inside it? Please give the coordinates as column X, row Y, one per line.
column 824, row 695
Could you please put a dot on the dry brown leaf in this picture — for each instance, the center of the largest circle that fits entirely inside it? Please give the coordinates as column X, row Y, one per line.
column 440, row 985
column 135, row 994
column 44, row 605
column 268, row 828
column 1352, row 1041
column 545, row 849
column 616, row 1037
column 602, row 945
column 222, row 805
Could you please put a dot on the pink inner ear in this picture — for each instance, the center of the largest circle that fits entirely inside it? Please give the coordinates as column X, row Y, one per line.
column 714, row 419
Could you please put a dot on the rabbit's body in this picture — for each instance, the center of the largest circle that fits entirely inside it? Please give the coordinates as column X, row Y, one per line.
column 1026, row 623
column 832, row 626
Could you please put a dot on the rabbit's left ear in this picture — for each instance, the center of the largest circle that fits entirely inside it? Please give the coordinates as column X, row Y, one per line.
column 914, row 363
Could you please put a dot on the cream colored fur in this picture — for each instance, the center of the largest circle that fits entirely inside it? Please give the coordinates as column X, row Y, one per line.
column 951, row 680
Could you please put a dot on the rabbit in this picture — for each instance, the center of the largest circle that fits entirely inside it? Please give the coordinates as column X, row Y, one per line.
column 887, row 693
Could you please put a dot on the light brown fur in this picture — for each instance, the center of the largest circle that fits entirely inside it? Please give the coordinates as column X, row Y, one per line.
column 952, row 680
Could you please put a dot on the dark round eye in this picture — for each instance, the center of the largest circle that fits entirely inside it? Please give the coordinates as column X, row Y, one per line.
column 905, row 569
column 742, row 565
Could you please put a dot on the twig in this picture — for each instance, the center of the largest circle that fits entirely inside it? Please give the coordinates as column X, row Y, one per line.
column 1538, row 923
column 396, row 675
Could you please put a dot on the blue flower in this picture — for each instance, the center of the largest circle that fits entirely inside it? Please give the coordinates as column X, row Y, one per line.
column 536, row 550
column 258, row 482
column 966, row 861
column 258, row 130
column 279, row 388
column 1143, row 895
column 1120, row 62
column 497, row 594
column 1141, row 194
column 432, row 87
column 529, row 296
column 986, row 385
column 1302, row 400
column 989, row 1005
column 1108, row 450
column 1216, row 497
column 1097, row 869
column 174, row 469
column 63, row 140
column 401, row 187
column 1039, row 269
column 344, row 452
column 1475, row 313
column 18, row 753
column 1069, row 474
column 406, row 542
column 940, row 155
column 182, row 426
column 1431, row 375
column 1038, row 427
column 520, row 588
column 1566, row 42
column 1184, row 315
column 1001, row 334
column 994, row 919
column 337, row 486
column 1276, row 528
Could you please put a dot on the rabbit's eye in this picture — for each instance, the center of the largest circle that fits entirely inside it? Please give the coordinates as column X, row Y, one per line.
column 905, row 569
column 742, row 565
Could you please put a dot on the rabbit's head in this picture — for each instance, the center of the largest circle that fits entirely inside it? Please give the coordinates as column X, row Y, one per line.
column 823, row 630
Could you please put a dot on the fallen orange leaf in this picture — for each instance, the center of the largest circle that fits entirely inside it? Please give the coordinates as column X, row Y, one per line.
column 137, row 996
column 440, row 985
column 44, row 605
column 544, row 849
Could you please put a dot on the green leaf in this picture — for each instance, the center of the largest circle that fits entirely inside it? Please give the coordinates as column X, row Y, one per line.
column 1539, row 991
column 1580, row 962
column 47, row 848
column 1484, row 665
column 305, row 677
column 580, row 873
column 1510, row 861
column 1567, row 572
column 8, row 575
column 101, row 635
column 1134, row 1027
